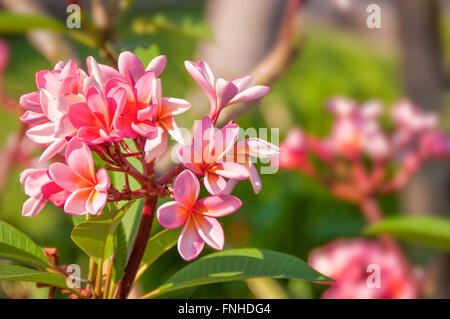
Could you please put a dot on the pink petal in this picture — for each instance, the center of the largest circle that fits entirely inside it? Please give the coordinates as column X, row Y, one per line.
column 214, row 184
column 203, row 134
column 34, row 180
column 257, row 147
column 145, row 129
column 224, row 140
column 94, row 70
column 33, row 118
column 81, row 116
column 143, row 87
column 156, row 147
column 210, row 231
column 31, row 102
column 255, row 180
column 250, row 94
column 79, row 159
column 56, row 147
column 157, row 64
column 202, row 74
column 225, row 91
column 128, row 62
column 171, row 126
column 186, row 188
column 171, row 215
column 189, row 159
column 90, row 135
column 76, row 202
column 190, row 244
column 66, row 178
column 157, row 94
column 55, row 194
column 96, row 202
column 42, row 133
column 173, row 106
column 103, row 180
column 231, row 170
column 242, row 82
column 217, row 206
column 33, row 206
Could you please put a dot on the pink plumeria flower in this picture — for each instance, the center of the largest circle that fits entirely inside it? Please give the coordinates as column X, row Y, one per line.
column 411, row 117
column 347, row 261
column 4, row 55
column 222, row 93
column 163, row 111
column 207, row 154
column 197, row 216
column 243, row 153
column 434, row 144
column 356, row 129
column 47, row 109
column 41, row 189
column 88, row 190
column 294, row 150
column 96, row 118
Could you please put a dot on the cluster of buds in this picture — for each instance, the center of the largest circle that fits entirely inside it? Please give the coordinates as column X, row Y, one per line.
column 363, row 270
column 121, row 114
column 358, row 152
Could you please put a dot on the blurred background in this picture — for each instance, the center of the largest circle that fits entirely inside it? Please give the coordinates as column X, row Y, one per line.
column 326, row 49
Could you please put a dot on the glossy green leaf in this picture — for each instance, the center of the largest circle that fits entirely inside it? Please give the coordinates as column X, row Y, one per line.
column 120, row 253
column 19, row 23
column 431, row 231
column 238, row 264
column 17, row 246
column 147, row 54
column 92, row 235
column 16, row 272
column 156, row 246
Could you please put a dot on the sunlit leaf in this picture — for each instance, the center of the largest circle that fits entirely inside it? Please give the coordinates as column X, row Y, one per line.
column 16, row 272
column 431, row 231
column 156, row 246
column 92, row 235
column 19, row 23
column 238, row 264
column 120, row 252
column 17, row 246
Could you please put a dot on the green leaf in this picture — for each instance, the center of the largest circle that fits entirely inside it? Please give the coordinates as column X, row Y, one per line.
column 120, row 252
column 238, row 264
column 17, row 246
column 95, row 234
column 16, row 272
column 431, row 231
column 156, row 246
column 20, row 23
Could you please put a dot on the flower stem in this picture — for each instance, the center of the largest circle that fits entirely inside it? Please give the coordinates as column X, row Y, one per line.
column 148, row 212
column 99, row 279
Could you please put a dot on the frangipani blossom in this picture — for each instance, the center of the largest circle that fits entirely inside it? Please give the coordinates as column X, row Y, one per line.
column 356, row 130
column 208, row 154
column 222, row 93
column 347, row 262
column 197, row 216
column 47, row 109
column 163, row 112
column 250, row 148
column 96, row 118
column 41, row 188
column 294, row 150
column 88, row 190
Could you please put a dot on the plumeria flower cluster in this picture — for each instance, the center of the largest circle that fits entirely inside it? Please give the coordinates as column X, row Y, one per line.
column 357, row 138
column 120, row 114
column 363, row 270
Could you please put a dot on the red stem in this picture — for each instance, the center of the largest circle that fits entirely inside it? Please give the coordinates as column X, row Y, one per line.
column 148, row 212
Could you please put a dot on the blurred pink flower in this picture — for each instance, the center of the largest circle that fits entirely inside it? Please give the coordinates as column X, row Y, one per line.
column 197, row 216
column 356, row 129
column 208, row 155
column 4, row 55
column 347, row 262
column 88, row 190
column 222, row 93
column 294, row 150
column 41, row 188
